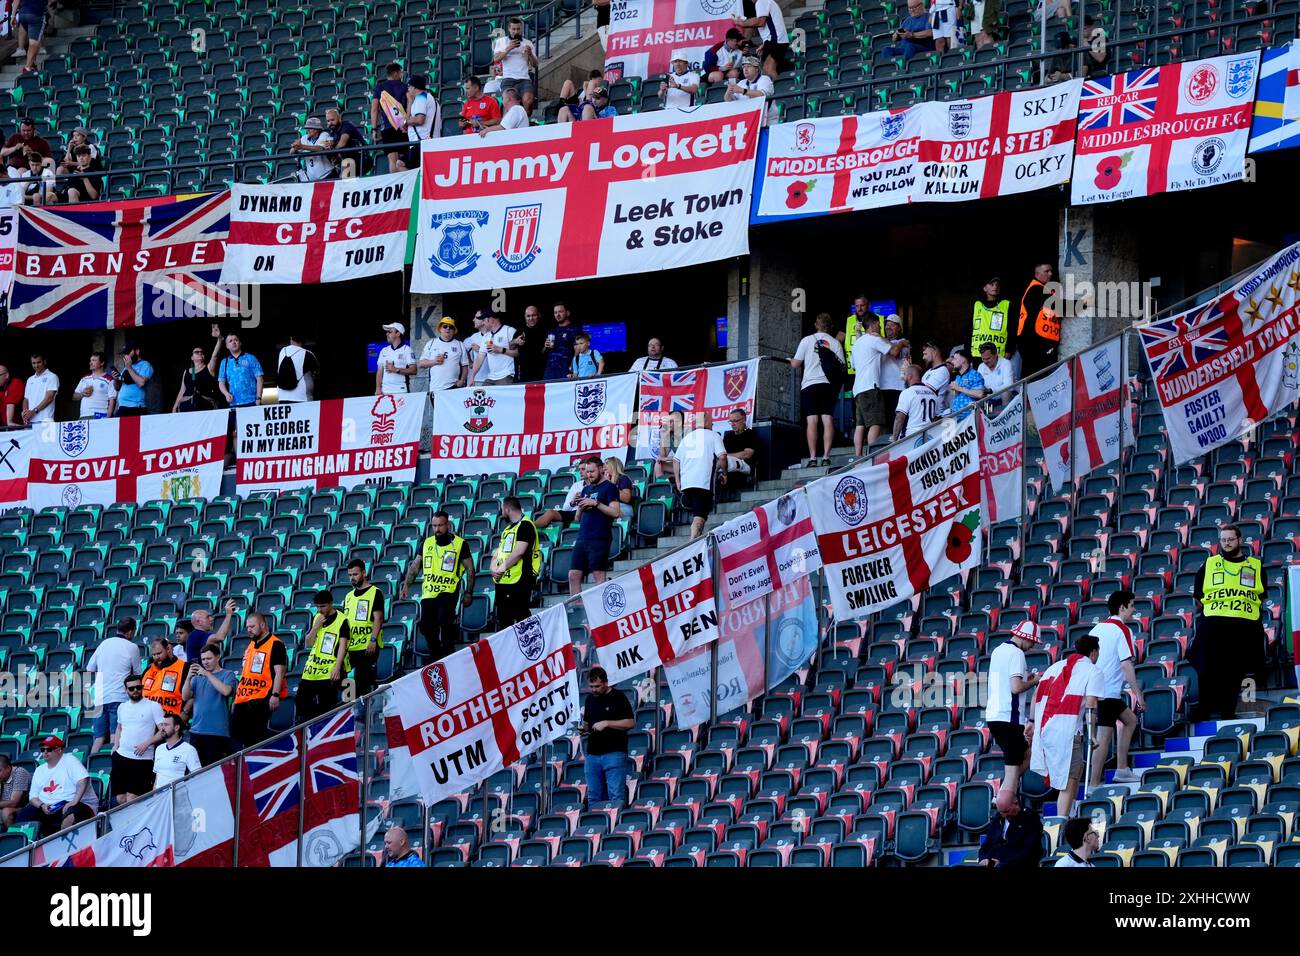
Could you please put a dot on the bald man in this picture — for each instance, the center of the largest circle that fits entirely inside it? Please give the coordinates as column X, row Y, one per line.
column 397, row 849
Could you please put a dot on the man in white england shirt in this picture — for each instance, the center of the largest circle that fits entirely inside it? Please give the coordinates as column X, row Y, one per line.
column 754, row 85
column 817, row 396
column 396, row 363
column 996, row 372
column 869, row 350
column 700, row 455
column 173, row 758
column 445, row 358
column 96, row 391
column 680, row 86
column 315, row 139
column 936, row 373
column 39, row 392
column 514, row 117
column 423, row 116
column 495, row 362
column 1115, row 635
column 1007, row 712
column 918, row 406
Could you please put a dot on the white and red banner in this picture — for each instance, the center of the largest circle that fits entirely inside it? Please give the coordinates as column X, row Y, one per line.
column 489, row 705
column 788, row 618
column 142, row 836
column 1164, row 128
column 714, row 390
column 207, row 797
column 1222, row 368
column 524, row 427
column 1090, row 385
column 766, row 549
column 8, row 240
column 1002, row 461
column 111, row 460
column 305, row 233
column 837, row 164
column 644, row 34
column 996, row 145
column 338, row 443
column 885, row 532
column 606, row 197
column 15, row 461
column 654, row 614
column 1058, row 703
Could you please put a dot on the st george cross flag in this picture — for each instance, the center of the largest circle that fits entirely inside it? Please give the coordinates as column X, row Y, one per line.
column 1292, row 628
column 337, row 443
column 644, row 34
column 111, row 460
column 1222, row 368
column 120, row 265
column 655, row 614
column 1095, row 378
column 836, row 164
column 1002, row 461
column 996, row 145
column 766, row 549
column 142, row 836
column 318, row 232
column 1164, row 128
column 714, row 390
column 524, row 427
column 1277, row 102
column 1058, row 703
column 886, row 532
column 606, row 197
column 15, row 458
column 489, row 705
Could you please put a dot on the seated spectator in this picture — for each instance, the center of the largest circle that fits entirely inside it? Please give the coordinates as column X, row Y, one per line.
column 493, row 85
column 755, row 84
column 622, row 484
column 722, row 62
column 515, row 116
column 572, row 101
column 586, row 362
column 314, row 140
column 15, row 788
column 199, row 391
column 397, row 849
column 80, row 137
column 567, row 511
column 914, row 35
column 19, row 144
column 671, row 430
column 743, row 450
column 1056, row 9
column 480, row 110
column 346, row 135
column 85, row 188
column 1013, row 838
column 1098, row 59
column 11, row 399
column 41, row 188
column 61, row 795
column 595, row 108
column 967, row 384
column 681, row 84
column 654, row 359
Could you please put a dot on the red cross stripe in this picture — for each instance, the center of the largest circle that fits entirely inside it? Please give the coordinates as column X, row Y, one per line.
column 1222, row 121
column 767, row 546
column 534, row 422
column 664, row 34
column 1054, row 692
column 1088, row 410
column 900, row 490
column 844, row 177
column 1235, row 329
column 502, row 729
column 608, row 633
column 995, row 464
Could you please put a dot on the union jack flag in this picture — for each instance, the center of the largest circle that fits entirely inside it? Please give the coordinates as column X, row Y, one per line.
column 1181, row 342
column 274, row 772
column 332, row 752
column 666, row 392
column 120, row 265
column 1119, row 99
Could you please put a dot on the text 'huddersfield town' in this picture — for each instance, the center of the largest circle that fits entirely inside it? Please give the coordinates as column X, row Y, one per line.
column 467, row 171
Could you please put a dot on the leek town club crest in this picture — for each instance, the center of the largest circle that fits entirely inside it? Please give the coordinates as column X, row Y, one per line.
column 74, row 438
column 734, row 381
column 478, row 403
column 803, row 136
column 454, row 253
column 519, row 238
column 436, row 685
column 589, row 401
column 959, row 119
column 532, row 640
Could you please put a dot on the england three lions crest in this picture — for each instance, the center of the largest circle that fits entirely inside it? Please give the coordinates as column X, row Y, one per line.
column 531, row 638
column 519, row 238
column 74, row 438
column 959, row 119
column 589, row 401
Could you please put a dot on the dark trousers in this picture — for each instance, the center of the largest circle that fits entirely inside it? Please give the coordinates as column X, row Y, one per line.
column 249, row 723
column 439, row 625
column 364, row 670
column 513, row 603
column 1220, row 687
column 210, row 747
column 315, row 697
column 49, row 824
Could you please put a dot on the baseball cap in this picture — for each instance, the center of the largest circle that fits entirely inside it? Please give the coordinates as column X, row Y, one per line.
column 681, row 55
column 397, row 327
column 447, row 321
column 993, row 280
column 53, row 741
column 1027, row 630
column 893, row 317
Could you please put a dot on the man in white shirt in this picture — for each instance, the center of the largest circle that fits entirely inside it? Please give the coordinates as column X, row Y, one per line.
column 700, row 455
column 315, row 140
column 817, row 395
column 173, row 758
column 495, row 362
column 445, row 358
column 423, row 116
column 869, row 350
column 61, row 795
column 96, row 391
column 1115, row 659
column 297, row 365
column 943, row 24
column 770, row 23
column 115, row 659
column 680, row 86
column 891, row 366
column 918, row 406
column 936, row 373
column 654, row 359
column 996, row 372
column 40, row 392
column 1082, row 839
column 396, row 363
column 755, row 84
column 1007, row 711
column 137, row 734
column 518, row 59
column 514, row 117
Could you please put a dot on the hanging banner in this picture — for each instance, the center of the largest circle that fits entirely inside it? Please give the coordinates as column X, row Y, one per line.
column 15, row 462
column 526, row 427
column 339, row 443
column 1164, row 129
column 121, row 265
column 604, row 197
column 1222, row 368
column 715, row 390
column 142, row 836
column 112, row 460
column 1277, row 101
column 996, row 145
column 8, row 240
column 1002, row 461
column 305, row 233
column 1292, row 629
column 644, row 34
column 886, row 532
column 792, row 641
column 766, row 549
column 836, row 164
column 489, row 705
column 654, row 614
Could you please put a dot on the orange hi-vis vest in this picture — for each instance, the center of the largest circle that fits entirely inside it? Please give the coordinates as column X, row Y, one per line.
column 256, row 678
column 164, row 685
column 1046, row 324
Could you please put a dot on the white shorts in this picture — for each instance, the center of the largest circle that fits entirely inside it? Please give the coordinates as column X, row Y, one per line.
column 943, row 21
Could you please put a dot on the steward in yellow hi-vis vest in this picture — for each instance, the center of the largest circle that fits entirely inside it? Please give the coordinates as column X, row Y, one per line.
column 327, row 659
column 364, row 608
column 516, row 564
column 990, row 320
column 853, row 325
column 445, row 569
column 1230, row 641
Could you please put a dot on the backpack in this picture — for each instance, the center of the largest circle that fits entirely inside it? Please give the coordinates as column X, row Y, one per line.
column 286, row 376
column 831, row 365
